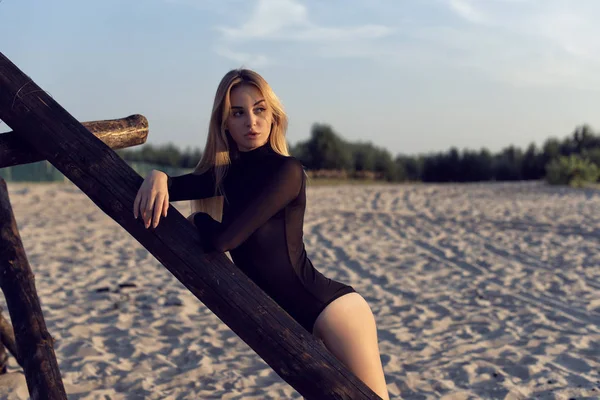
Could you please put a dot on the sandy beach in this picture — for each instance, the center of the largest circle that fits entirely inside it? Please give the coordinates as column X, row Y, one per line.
column 487, row 291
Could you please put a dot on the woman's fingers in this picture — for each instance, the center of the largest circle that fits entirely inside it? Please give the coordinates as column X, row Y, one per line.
column 157, row 209
column 146, row 207
column 151, row 201
column 166, row 205
column 136, row 204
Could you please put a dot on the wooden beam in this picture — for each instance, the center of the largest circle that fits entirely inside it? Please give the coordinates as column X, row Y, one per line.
column 34, row 344
column 116, row 133
column 7, row 337
column 293, row 353
column 3, row 359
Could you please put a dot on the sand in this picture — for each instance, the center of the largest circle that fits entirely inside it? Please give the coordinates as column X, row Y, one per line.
column 479, row 291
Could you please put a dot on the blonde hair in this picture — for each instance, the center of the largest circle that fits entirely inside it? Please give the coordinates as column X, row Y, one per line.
column 220, row 146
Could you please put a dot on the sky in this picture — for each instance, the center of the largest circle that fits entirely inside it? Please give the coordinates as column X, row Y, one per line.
column 412, row 76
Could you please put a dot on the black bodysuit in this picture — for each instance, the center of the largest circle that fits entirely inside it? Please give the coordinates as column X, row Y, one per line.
column 262, row 223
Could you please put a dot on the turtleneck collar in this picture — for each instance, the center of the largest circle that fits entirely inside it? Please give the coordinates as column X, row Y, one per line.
column 256, row 153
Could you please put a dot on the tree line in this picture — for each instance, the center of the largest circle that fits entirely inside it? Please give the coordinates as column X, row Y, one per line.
column 167, row 155
column 573, row 158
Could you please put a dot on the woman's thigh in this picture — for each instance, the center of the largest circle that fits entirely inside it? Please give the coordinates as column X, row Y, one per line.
column 347, row 328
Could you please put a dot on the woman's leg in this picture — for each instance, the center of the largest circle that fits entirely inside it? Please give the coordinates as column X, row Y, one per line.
column 347, row 328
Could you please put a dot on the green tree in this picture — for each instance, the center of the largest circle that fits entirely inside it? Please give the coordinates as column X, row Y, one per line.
column 551, row 150
column 385, row 165
column 532, row 166
column 572, row 170
column 327, row 150
column 508, row 164
column 592, row 154
column 364, row 156
column 410, row 167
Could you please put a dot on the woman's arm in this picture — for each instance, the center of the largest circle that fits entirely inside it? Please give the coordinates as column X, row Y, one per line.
column 158, row 189
column 191, row 186
column 282, row 187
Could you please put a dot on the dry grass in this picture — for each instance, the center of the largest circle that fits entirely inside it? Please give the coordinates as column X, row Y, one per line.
column 338, row 182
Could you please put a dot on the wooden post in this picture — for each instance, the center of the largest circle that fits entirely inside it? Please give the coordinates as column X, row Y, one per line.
column 7, row 337
column 116, row 133
column 34, row 343
column 293, row 353
column 3, row 359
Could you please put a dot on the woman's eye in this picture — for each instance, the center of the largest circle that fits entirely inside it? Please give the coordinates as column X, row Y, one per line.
column 260, row 109
column 237, row 113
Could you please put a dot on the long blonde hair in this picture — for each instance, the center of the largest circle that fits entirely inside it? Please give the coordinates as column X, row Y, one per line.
column 220, row 147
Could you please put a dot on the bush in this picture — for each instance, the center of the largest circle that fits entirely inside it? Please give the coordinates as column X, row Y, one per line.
column 571, row 170
column 326, row 150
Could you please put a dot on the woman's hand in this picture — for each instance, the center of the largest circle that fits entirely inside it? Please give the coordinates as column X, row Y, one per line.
column 152, row 199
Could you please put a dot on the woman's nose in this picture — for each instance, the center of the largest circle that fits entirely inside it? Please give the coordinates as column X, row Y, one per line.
column 251, row 119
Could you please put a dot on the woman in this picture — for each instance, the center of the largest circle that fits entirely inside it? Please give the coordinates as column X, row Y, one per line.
column 246, row 165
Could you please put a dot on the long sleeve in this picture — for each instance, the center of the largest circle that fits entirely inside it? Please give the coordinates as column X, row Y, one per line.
column 280, row 189
column 191, row 186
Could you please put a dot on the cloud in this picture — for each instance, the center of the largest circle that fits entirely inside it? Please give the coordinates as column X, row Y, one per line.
column 466, row 10
column 576, row 32
column 287, row 22
column 523, row 42
column 281, row 20
column 570, row 26
column 549, row 42
column 270, row 17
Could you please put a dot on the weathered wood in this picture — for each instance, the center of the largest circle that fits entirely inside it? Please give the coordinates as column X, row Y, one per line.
column 116, row 133
column 293, row 353
column 3, row 359
column 7, row 336
column 34, row 343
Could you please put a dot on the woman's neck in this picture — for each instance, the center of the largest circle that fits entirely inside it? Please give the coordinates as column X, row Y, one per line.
column 257, row 152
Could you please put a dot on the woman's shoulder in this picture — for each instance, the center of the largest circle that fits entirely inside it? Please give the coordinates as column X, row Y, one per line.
column 290, row 163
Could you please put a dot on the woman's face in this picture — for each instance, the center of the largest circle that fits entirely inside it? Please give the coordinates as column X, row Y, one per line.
column 249, row 120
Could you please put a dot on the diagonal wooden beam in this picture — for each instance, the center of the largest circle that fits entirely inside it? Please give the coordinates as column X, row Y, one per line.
column 116, row 133
column 293, row 353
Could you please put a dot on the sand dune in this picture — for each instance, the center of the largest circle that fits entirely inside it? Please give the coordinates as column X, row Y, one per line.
column 480, row 291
